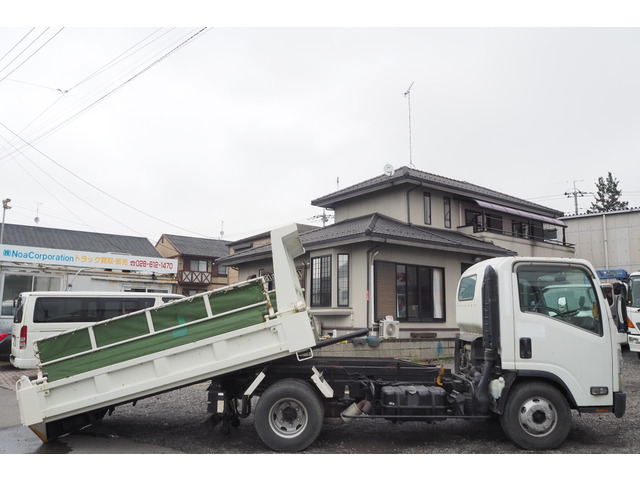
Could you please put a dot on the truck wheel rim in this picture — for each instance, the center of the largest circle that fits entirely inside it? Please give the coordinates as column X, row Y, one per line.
column 288, row 418
column 537, row 416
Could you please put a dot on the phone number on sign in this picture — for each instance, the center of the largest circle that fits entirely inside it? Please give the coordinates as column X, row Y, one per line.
column 150, row 264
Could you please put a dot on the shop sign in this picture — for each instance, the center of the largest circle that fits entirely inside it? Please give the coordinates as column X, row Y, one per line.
column 70, row 258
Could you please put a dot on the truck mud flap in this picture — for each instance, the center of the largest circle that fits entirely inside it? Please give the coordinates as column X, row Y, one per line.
column 619, row 404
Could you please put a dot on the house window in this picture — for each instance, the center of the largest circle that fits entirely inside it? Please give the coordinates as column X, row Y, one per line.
column 475, row 219
column 14, row 284
column 494, row 223
column 321, row 281
column 343, row 280
column 447, row 212
column 197, row 265
column 520, row 229
column 427, row 209
column 220, row 270
column 411, row 293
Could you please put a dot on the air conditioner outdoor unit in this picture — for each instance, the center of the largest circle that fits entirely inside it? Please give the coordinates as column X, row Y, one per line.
column 389, row 328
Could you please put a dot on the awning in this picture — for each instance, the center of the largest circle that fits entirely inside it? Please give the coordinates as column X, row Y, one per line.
column 520, row 213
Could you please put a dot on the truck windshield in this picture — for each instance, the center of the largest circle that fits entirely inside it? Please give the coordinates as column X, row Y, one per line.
column 634, row 291
column 562, row 292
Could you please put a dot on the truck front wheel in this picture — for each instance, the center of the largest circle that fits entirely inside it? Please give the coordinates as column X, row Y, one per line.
column 288, row 416
column 536, row 416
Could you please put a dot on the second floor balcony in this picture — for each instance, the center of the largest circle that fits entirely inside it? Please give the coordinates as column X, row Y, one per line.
column 194, row 277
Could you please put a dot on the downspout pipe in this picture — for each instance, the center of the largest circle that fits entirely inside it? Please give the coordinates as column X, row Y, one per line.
column 370, row 279
column 605, row 241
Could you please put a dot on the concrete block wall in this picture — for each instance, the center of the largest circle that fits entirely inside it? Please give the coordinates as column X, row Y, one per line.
column 415, row 350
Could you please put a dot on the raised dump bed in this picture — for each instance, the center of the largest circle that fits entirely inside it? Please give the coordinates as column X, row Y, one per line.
column 86, row 371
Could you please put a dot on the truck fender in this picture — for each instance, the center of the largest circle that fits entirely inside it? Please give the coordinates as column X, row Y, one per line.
column 511, row 378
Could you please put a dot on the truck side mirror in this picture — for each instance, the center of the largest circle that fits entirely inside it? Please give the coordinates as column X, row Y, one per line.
column 621, row 310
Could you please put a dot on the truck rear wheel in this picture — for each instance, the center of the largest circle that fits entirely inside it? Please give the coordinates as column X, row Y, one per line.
column 288, row 416
column 536, row 416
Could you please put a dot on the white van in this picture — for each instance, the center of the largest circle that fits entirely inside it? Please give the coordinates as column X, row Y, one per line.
column 41, row 314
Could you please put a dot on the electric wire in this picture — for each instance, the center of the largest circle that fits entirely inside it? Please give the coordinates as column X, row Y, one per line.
column 66, row 188
column 64, row 92
column 35, row 136
column 83, row 110
column 30, row 56
column 17, row 43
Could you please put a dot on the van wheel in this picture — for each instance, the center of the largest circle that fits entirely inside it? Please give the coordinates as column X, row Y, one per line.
column 536, row 416
column 289, row 416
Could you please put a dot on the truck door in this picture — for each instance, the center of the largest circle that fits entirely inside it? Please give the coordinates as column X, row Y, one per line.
column 560, row 329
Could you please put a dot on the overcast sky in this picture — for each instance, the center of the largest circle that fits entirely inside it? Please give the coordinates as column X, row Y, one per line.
column 192, row 131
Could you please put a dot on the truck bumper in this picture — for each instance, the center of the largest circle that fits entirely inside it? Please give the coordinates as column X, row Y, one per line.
column 634, row 342
column 619, row 404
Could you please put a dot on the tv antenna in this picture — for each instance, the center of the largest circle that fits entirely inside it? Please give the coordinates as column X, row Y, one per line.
column 408, row 95
column 221, row 229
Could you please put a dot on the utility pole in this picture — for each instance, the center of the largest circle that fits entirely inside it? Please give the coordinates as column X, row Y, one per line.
column 5, row 207
column 575, row 194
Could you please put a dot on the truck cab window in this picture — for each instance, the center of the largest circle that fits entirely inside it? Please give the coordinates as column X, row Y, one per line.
column 565, row 294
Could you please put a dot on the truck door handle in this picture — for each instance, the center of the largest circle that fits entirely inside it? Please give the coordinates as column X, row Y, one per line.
column 525, row 347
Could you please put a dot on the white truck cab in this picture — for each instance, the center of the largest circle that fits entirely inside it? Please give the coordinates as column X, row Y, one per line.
column 547, row 333
column 633, row 313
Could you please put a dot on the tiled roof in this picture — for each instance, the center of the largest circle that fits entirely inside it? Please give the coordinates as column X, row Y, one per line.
column 410, row 176
column 75, row 240
column 379, row 228
column 200, row 247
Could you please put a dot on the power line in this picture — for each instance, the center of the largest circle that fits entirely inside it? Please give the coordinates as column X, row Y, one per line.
column 30, row 56
column 18, row 43
column 83, row 110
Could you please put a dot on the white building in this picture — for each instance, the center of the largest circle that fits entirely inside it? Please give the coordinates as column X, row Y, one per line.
column 37, row 259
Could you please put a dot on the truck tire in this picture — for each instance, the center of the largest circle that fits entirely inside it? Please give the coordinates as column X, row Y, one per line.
column 536, row 416
column 289, row 416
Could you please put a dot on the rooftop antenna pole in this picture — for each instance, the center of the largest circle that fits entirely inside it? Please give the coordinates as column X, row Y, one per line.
column 408, row 95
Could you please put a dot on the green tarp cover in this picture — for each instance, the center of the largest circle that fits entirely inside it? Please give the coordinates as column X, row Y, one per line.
column 133, row 331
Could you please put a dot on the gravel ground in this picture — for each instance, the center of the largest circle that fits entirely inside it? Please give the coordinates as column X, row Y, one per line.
column 175, row 420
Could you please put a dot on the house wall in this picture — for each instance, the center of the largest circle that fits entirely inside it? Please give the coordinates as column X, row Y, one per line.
column 385, row 202
column 359, row 314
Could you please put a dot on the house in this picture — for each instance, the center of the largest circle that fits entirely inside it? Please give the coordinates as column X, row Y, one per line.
column 398, row 246
column 198, row 270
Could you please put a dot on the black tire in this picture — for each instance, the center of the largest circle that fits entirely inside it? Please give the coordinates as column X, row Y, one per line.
column 289, row 416
column 536, row 416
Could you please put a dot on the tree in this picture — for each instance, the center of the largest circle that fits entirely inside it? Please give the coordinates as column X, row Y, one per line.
column 608, row 196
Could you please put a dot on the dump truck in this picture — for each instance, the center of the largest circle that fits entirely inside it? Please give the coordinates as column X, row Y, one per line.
column 537, row 340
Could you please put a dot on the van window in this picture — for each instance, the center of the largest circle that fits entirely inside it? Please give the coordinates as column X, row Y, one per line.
column 85, row 309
